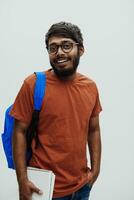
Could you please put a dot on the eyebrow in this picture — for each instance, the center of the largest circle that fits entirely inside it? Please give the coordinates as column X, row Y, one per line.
column 60, row 42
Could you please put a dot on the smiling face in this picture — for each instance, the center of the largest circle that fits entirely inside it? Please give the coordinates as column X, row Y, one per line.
column 64, row 55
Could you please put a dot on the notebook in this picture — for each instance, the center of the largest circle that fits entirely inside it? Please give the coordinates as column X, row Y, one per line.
column 44, row 180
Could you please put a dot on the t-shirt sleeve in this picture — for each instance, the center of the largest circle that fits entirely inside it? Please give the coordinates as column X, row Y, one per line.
column 22, row 108
column 97, row 107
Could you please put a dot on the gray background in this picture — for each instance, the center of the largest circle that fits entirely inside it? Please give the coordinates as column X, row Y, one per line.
column 108, row 30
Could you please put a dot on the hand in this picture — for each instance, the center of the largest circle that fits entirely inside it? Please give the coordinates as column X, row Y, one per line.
column 26, row 188
column 92, row 176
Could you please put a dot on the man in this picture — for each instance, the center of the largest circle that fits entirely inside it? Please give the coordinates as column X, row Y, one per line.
column 68, row 121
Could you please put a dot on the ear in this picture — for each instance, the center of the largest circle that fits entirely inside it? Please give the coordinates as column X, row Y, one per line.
column 81, row 50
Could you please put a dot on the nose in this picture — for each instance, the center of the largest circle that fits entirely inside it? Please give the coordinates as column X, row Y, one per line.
column 60, row 51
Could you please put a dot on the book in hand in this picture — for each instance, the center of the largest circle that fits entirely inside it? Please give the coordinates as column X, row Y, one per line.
column 44, row 180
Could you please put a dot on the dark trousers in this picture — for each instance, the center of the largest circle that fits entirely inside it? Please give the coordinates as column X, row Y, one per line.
column 82, row 194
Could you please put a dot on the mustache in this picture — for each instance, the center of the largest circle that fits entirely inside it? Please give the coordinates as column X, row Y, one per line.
column 61, row 57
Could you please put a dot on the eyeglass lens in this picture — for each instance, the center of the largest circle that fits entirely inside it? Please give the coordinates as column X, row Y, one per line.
column 66, row 46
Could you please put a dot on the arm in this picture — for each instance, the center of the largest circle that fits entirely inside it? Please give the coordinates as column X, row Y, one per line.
column 26, row 188
column 94, row 144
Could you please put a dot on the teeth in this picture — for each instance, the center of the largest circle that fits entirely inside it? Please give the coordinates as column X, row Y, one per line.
column 61, row 61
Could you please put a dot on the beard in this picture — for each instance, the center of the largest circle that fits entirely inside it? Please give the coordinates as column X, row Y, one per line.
column 66, row 72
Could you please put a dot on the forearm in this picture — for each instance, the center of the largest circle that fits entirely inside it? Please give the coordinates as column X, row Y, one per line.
column 94, row 143
column 19, row 153
column 26, row 187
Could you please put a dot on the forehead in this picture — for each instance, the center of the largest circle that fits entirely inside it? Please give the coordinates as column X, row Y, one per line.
column 58, row 40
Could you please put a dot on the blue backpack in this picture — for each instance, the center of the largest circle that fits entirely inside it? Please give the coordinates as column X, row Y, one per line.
column 39, row 92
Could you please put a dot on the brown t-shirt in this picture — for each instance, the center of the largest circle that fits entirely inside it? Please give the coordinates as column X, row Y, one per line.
column 67, row 108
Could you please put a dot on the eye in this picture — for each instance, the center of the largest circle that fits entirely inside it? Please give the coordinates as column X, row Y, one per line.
column 52, row 48
column 67, row 45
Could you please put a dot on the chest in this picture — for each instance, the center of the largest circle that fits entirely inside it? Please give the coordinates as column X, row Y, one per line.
column 68, row 101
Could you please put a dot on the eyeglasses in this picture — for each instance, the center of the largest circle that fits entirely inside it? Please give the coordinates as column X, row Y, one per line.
column 66, row 47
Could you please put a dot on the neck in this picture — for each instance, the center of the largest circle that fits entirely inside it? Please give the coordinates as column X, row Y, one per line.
column 66, row 78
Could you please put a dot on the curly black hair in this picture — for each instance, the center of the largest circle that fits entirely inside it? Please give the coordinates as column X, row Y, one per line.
column 65, row 29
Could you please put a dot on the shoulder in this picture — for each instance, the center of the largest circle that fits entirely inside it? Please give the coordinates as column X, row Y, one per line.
column 85, row 78
column 88, row 82
column 29, row 81
column 30, row 78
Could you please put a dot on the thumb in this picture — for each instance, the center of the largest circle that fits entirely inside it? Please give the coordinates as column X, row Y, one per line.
column 37, row 190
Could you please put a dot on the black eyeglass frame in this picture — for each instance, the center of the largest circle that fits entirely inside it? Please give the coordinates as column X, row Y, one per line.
column 61, row 46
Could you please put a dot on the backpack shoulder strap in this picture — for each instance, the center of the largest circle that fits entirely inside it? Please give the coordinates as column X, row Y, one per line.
column 39, row 90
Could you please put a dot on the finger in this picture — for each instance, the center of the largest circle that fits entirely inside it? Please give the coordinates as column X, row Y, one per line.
column 37, row 190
